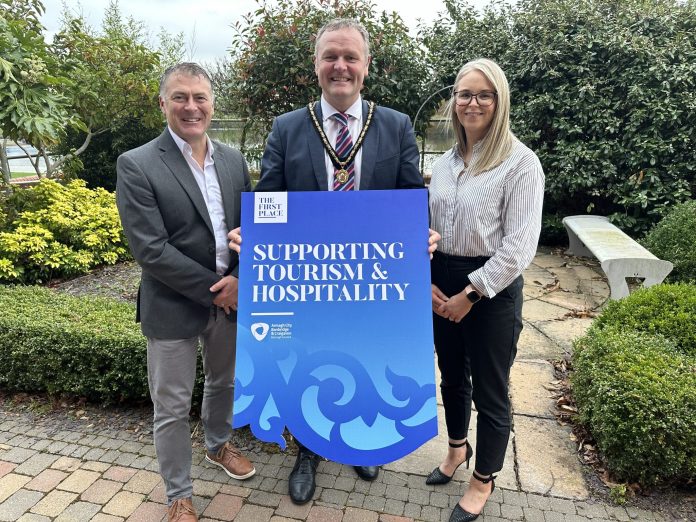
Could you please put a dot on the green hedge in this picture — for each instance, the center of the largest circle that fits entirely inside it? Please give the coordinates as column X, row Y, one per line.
column 83, row 346
column 674, row 239
column 586, row 77
column 634, row 381
column 668, row 310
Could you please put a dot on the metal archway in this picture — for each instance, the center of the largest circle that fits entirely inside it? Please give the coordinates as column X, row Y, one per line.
column 415, row 120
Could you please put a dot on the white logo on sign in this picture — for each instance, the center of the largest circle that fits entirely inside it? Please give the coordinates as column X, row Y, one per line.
column 259, row 331
column 270, row 207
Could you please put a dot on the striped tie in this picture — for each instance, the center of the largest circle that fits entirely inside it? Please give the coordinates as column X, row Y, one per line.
column 344, row 145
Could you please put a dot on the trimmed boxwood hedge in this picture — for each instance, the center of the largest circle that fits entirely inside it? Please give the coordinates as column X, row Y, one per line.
column 669, row 310
column 84, row 346
column 634, row 381
column 674, row 239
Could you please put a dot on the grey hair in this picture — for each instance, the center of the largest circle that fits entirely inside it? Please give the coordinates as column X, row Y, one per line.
column 343, row 23
column 187, row 68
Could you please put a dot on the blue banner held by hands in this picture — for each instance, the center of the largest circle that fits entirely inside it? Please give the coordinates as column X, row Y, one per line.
column 334, row 335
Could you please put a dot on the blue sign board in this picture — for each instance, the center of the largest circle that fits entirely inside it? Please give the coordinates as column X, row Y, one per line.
column 334, row 335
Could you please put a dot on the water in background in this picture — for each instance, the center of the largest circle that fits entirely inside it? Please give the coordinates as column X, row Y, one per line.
column 230, row 132
column 22, row 165
column 438, row 140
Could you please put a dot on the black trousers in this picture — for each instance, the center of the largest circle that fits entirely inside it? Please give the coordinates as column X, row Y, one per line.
column 475, row 356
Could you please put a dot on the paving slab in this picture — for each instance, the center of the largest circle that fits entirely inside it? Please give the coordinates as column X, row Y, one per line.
column 19, row 503
column 78, row 511
column 35, row 464
column 567, row 278
column 54, row 503
column 595, row 289
column 536, row 277
column 586, row 269
column 548, row 260
column 546, row 459
column 538, row 310
column 427, row 457
column 533, row 292
column 574, row 301
column 424, row 459
column 529, row 381
column 564, row 332
column 47, row 480
column 10, row 483
column 533, row 344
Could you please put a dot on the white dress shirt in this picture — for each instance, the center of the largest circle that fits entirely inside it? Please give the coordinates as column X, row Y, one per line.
column 207, row 180
column 331, row 128
column 496, row 214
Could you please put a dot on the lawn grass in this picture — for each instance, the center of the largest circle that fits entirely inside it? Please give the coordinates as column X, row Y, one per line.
column 22, row 174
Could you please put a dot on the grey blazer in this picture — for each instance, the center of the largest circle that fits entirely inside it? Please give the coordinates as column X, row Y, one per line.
column 170, row 233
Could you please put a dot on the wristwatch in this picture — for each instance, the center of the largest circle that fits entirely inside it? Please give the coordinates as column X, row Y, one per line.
column 473, row 296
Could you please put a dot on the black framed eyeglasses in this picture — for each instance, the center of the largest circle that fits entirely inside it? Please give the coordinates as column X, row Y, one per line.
column 483, row 98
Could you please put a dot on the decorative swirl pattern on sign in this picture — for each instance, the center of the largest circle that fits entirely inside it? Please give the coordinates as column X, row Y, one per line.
column 333, row 405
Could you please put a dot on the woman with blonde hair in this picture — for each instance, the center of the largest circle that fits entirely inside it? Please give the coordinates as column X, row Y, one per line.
column 486, row 196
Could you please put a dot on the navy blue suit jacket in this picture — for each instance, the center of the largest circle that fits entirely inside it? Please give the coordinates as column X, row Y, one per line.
column 294, row 155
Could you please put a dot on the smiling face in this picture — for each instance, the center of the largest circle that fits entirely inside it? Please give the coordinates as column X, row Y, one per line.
column 187, row 104
column 341, row 64
column 475, row 119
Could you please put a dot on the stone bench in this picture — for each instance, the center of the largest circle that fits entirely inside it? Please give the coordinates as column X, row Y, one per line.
column 619, row 255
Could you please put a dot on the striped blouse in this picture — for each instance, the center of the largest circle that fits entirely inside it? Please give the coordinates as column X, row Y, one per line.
column 496, row 214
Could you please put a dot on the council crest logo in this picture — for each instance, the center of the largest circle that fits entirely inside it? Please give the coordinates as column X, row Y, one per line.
column 259, row 331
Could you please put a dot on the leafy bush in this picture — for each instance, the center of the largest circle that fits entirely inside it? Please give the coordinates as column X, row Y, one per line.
column 637, row 394
column 674, row 239
column 53, row 230
column 97, row 164
column 586, row 77
column 271, row 70
column 553, row 232
column 634, row 382
column 88, row 347
column 668, row 310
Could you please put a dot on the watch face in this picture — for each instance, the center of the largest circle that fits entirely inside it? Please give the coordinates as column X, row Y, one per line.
column 473, row 296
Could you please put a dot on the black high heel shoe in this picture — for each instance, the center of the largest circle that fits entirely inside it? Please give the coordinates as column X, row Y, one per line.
column 462, row 515
column 437, row 477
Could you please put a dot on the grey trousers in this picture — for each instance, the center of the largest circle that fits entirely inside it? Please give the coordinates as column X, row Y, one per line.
column 171, row 370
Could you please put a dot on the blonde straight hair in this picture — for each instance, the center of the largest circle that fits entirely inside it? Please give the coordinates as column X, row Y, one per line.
column 496, row 145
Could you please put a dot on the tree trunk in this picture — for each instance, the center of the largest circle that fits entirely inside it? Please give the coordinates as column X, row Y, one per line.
column 34, row 162
column 47, row 162
column 53, row 167
column 4, row 162
column 242, row 141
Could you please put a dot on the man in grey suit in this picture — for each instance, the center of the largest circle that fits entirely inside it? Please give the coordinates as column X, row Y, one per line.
column 338, row 143
column 177, row 196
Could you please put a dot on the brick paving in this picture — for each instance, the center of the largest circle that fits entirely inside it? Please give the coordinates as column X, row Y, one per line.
column 72, row 489
column 79, row 472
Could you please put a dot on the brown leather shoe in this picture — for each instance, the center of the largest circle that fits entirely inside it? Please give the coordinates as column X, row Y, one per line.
column 232, row 461
column 182, row 510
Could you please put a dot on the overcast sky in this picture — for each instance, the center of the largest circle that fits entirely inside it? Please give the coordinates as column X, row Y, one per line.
column 206, row 23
